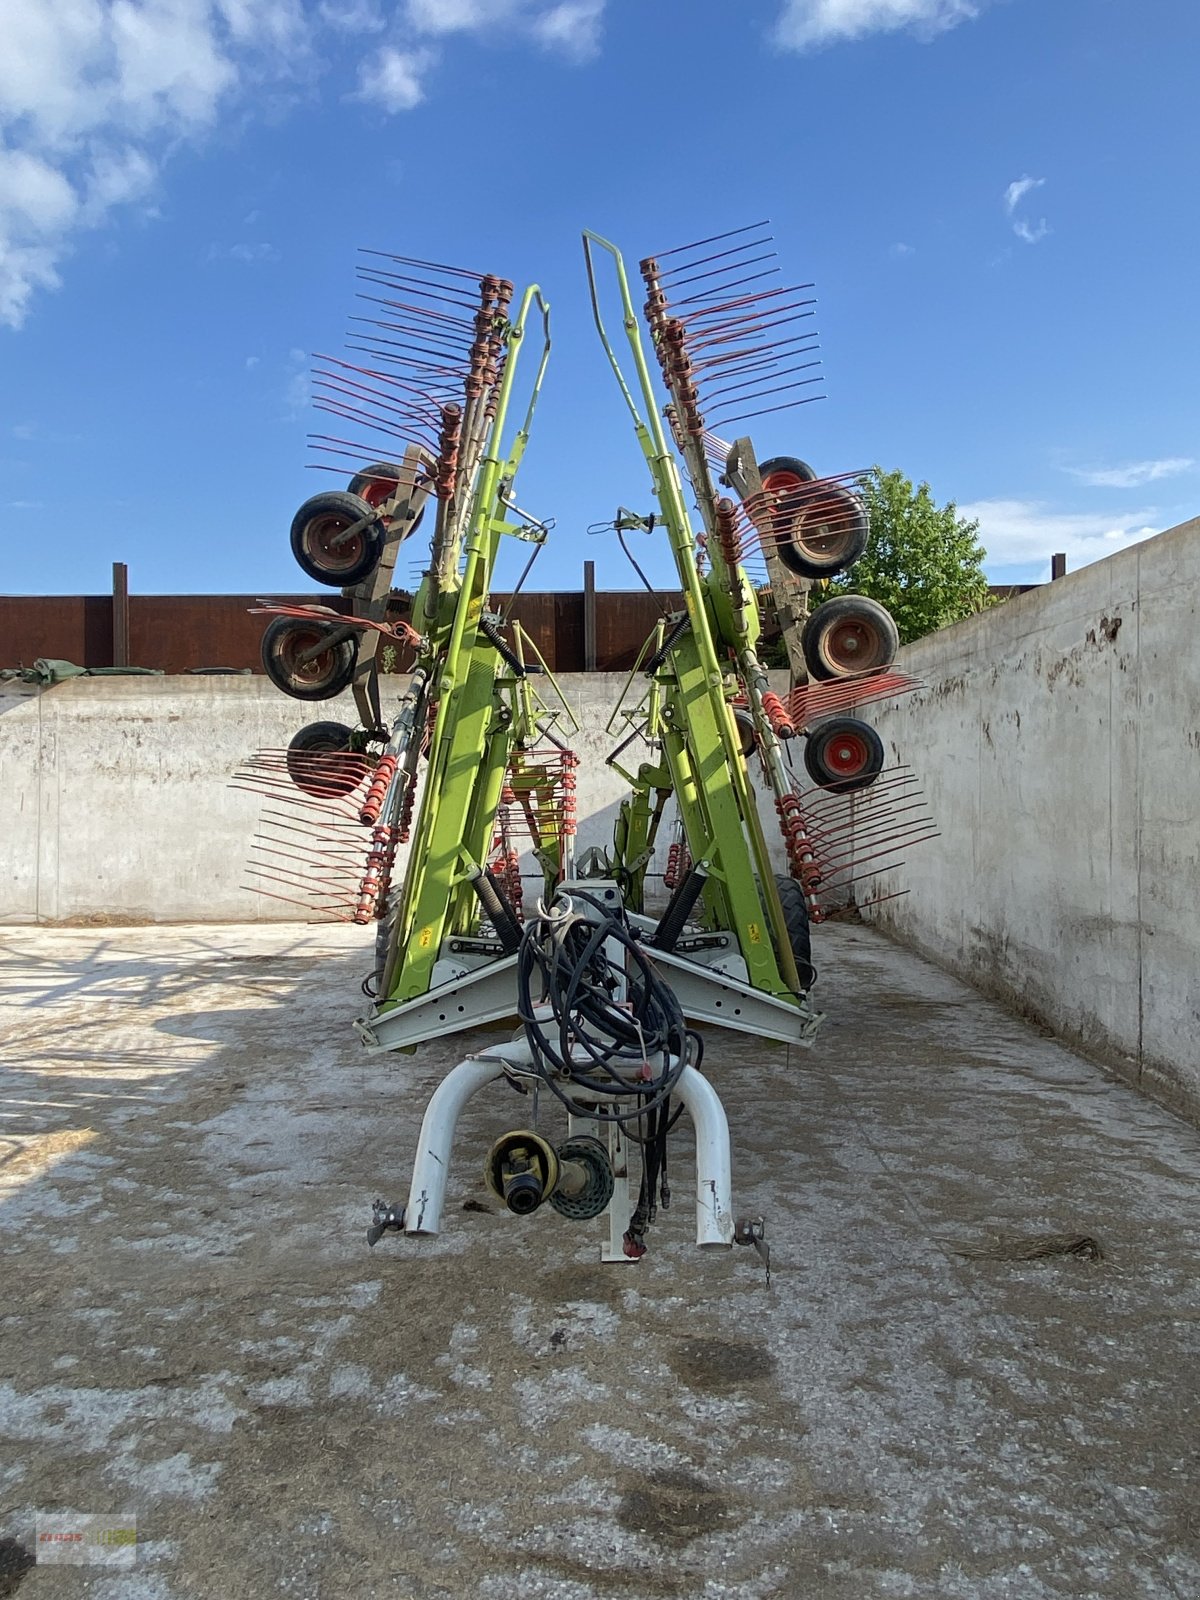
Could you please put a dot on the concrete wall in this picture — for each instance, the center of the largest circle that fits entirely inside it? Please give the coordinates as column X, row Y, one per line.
column 117, row 804
column 1058, row 741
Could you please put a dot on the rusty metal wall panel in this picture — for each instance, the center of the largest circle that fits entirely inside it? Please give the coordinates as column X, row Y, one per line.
column 177, row 633
column 535, row 613
column 624, row 620
column 180, row 632
column 568, row 632
column 74, row 627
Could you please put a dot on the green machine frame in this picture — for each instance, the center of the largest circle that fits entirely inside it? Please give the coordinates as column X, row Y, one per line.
column 698, row 667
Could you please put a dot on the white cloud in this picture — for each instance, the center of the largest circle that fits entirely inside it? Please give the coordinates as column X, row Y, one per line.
column 392, row 78
column 573, row 27
column 352, row 16
column 277, row 24
column 37, row 204
column 34, row 196
column 1133, row 475
column 1029, row 232
column 24, row 269
column 115, row 178
column 1017, row 191
column 457, row 16
column 899, row 251
column 248, row 254
column 95, row 94
column 1019, row 532
column 92, row 95
column 808, row 24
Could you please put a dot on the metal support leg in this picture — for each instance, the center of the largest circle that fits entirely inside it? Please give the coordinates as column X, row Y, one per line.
column 620, row 1207
column 714, row 1183
column 423, row 1214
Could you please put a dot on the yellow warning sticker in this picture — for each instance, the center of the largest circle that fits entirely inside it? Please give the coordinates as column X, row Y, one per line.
column 755, row 932
column 425, row 938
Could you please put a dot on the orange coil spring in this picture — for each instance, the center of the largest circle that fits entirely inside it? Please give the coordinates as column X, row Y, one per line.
column 679, row 864
column 512, row 876
column 727, row 534
column 378, row 873
column 776, row 714
column 447, row 464
column 373, row 804
column 797, row 843
column 570, row 762
column 674, row 342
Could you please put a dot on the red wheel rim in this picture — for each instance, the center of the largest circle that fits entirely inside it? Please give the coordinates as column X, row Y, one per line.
column 293, row 644
column 327, row 774
column 784, row 489
column 852, row 644
column 318, row 542
column 822, row 529
column 846, row 755
column 378, row 490
column 781, row 482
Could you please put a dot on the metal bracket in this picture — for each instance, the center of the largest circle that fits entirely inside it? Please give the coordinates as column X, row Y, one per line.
column 753, row 1231
column 486, row 995
column 717, row 998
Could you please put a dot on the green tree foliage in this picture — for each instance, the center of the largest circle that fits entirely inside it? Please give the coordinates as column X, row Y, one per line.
column 924, row 562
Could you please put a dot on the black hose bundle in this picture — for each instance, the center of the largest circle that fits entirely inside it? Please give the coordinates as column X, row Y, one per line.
column 631, row 1050
column 626, row 1053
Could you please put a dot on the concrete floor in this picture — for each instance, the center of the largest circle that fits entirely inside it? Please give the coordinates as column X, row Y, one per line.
column 194, row 1329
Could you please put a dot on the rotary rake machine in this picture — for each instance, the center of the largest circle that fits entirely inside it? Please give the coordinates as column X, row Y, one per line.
column 609, row 991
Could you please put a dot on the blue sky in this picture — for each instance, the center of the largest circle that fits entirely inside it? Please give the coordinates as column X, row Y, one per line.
column 996, row 199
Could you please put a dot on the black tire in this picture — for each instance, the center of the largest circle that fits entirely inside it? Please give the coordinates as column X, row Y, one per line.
column 849, row 635
column 326, row 675
column 377, row 483
column 315, row 529
column 321, row 760
column 843, row 754
column 785, row 468
column 821, row 529
column 795, row 920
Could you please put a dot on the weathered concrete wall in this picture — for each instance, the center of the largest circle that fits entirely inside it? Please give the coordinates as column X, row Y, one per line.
column 117, row 803
column 1058, row 741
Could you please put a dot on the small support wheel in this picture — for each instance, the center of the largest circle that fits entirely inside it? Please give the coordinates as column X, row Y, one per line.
column 325, row 546
column 849, row 635
column 376, row 485
column 843, row 754
column 285, row 658
column 321, row 760
column 820, row 529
